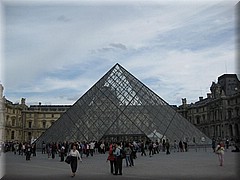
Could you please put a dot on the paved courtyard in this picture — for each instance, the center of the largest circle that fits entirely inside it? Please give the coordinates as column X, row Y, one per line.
column 185, row 165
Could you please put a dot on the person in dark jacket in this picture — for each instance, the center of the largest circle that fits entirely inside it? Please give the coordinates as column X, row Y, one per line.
column 143, row 149
column 167, row 144
column 28, row 152
column 117, row 154
column 180, row 146
column 150, row 148
column 62, row 153
column 54, row 150
column 34, row 149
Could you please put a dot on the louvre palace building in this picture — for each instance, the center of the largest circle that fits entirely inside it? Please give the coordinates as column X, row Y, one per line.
column 217, row 115
column 119, row 105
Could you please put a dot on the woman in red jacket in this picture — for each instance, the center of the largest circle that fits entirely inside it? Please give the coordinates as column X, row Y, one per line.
column 111, row 158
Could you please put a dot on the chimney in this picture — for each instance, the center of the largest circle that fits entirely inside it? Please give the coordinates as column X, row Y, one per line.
column 1, row 90
column 184, row 101
column 200, row 98
column 23, row 101
column 209, row 95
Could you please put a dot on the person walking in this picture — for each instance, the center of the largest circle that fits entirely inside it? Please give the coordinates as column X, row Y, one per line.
column 128, row 152
column 227, row 143
column 167, row 144
column 91, row 147
column 15, row 146
column 163, row 145
column 102, row 147
column 180, row 144
column 62, row 153
column 185, row 146
column 34, row 148
column 20, row 149
column 150, row 148
column 111, row 159
column 220, row 152
column 143, row 149
column 54, row 150
column 43, row 147
column 213, row 145
column 75, row 156
column 117, row 154
column 175, row 146
column 28, row 152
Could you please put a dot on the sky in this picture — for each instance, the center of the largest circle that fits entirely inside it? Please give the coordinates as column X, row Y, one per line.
column 54, row 51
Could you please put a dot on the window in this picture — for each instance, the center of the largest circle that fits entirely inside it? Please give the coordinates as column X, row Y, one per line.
column 13, row 122
column 229, row 114
column 29, row 124
column 237, row 111
column 198, row 120
column 12, row 134
column 203, row 117
column 44, row 124
column 190, row 119
column 52, row 115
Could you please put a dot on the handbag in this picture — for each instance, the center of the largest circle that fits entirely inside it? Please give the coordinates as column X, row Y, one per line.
column 68, row 159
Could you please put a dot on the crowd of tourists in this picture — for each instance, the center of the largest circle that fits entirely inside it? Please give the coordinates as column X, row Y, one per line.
column 27, row 149
column 90, row 148
column 119, row 153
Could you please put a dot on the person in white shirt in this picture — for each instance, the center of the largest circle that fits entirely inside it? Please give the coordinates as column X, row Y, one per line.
column 91, row 147
column 220, row 152
column 75, row 156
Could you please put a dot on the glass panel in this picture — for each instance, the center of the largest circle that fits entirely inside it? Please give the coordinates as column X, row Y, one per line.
column 119, row 106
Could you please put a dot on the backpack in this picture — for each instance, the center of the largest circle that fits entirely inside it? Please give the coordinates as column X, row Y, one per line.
column 122, row 153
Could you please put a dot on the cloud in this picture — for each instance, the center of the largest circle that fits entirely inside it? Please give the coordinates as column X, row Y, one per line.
column 62, row 18
column 57, row 51
column 118, row 46
column 113, row 47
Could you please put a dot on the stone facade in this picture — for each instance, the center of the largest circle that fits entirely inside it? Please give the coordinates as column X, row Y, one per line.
column 38, row 118
column 2, row 117
column 218, row 115
column 13, row 121
column 23, row 123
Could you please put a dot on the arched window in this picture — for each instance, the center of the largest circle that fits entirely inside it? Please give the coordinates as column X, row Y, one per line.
column 13, row 121
column 198, row 119
column 229, row 113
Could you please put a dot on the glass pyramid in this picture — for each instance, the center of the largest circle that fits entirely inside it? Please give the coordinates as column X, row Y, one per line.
column 120, row 107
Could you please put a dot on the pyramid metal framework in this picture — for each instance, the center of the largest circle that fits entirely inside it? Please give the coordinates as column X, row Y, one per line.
column 120, row 107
